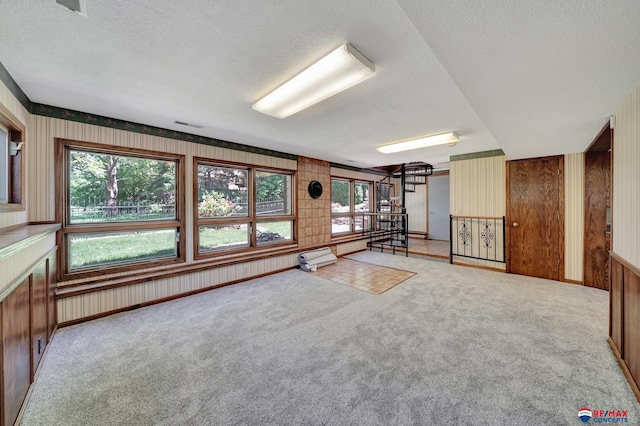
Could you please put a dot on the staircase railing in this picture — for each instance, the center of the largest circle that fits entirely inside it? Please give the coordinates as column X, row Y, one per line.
column 387, row 230
column 477, row 237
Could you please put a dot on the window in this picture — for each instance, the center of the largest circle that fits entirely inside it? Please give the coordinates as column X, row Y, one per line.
column 349, row 199
column 11, row 161
column 241, row 207
column 119, row 207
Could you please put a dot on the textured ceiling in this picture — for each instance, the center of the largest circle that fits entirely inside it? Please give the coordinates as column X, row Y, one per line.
column 532, row 78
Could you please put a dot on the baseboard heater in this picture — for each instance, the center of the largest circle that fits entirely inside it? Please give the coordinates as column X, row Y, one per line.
column 312, row 260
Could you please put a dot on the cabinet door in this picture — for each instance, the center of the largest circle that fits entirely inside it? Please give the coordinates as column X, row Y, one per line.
column 51, row 293
column 38, row 314
column 15, row 350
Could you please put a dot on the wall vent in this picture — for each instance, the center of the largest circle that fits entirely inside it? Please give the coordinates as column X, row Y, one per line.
column 183, row 123
column 78, row 6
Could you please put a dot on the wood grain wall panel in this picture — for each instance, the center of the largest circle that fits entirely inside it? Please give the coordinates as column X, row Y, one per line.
column 353, row 174
column 11, row 104
column 38, row 315
column 16, row 350
column 351, row 247
column 626, row 175
column 46, row 129
column 19, row 263
column 86, row 305
column 574, row 216
column 416, row 204
column 631, row 315
column 615, row 304
column 478, row 188
column 597, row 199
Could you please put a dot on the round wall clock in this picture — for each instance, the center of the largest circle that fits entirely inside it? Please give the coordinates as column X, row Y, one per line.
column 315, row 189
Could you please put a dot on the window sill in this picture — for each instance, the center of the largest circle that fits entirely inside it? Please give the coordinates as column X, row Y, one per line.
column 11, row 207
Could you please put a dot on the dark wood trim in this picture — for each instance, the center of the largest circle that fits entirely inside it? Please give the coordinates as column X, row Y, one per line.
column 62, row 147
column 33, row 382
column 252, row 219
column 508, row 220
column 16, row 131
column 20, row 279
column 561, row 211
column 625, row 370
column 625, row 263
column 486, row 268
column 166, row 299
column 568, row 281
column 604, row 128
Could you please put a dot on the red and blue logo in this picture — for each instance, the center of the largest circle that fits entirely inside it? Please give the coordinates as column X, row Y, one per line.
column 585, row 414
column 603, row 416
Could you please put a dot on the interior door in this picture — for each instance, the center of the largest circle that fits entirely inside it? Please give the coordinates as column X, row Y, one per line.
column 597, row 239
column 438, row 205
column 535, row 219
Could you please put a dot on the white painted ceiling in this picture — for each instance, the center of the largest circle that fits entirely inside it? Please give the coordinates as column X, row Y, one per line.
column 533, row 78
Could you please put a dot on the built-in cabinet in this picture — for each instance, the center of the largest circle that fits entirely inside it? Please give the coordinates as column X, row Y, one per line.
column 28, row 324
column 624, row 332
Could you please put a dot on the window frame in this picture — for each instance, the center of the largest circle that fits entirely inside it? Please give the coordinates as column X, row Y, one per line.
column 15, row 170
column 62, row 190
column 252, row 220
column 352, row 213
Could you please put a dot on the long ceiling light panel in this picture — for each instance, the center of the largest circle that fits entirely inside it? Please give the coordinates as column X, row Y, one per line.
column 339, row 70
column 423, row 142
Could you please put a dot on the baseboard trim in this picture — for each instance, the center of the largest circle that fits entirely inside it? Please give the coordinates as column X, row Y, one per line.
column 625, row 369
column 486, row 268
column 166, row 299
column 35, row 377
column 573, row 282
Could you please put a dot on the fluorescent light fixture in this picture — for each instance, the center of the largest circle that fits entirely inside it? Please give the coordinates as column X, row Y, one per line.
column 422, row 142
column 339, row 70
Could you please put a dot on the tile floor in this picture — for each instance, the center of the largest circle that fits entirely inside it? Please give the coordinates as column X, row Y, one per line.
column 367, row 277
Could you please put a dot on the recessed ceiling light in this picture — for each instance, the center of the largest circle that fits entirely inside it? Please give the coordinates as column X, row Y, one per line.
column 449, row 138
column 339, row 70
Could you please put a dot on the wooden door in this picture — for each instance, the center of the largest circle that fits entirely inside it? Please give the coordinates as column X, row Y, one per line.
column 535, row 195
column 597, row 241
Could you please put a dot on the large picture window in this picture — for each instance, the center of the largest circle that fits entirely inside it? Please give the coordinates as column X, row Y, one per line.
column 349, row 199
column 241, row 207
column 119, row 207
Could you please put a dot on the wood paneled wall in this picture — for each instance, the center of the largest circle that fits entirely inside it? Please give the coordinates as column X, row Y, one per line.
column 626, row 177
column 625, row 256
column 9, row 103
column 478, row 187
column 574, row 216
column 416, row 204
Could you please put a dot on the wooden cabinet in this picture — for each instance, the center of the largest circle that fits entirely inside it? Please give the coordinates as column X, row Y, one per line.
column 28, row 322
column 624, row 333
column 16, row 357
column 38, row 314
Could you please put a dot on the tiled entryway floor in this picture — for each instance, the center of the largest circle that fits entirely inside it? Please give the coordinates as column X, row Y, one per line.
column 373, row 279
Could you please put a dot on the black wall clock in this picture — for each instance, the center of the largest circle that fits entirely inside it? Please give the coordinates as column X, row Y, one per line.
column 315, row 189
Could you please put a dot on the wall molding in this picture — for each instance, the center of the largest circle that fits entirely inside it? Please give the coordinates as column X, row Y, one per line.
column 476, row 155
column 13, row 87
